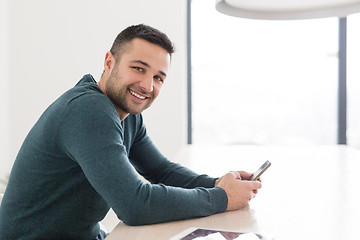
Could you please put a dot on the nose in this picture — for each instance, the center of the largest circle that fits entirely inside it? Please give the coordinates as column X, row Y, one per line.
column 147, row 84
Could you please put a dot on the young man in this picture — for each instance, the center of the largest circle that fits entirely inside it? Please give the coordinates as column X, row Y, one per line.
column 80, row 157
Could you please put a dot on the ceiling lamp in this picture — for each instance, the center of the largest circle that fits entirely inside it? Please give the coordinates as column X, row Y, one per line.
column 287, row 9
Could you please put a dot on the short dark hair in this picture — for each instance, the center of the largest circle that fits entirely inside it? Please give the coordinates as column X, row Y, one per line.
column 144, row 32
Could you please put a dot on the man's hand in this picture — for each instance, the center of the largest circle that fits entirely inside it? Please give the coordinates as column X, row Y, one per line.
column 238, row 190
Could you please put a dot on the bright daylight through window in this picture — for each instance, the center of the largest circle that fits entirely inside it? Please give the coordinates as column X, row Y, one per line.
column 353, row 76
column 263, row 82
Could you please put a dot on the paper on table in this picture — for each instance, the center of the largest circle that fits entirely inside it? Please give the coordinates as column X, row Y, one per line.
column 247, row 236
column 228, row 236
column 212, row 234
column 218, row 236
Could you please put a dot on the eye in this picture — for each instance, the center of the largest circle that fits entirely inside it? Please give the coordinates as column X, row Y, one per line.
column 158, row 78
column 139, row 69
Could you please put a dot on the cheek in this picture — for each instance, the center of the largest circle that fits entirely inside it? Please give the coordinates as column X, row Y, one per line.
column 157, row 88
column 125, row 79
column 131, row 78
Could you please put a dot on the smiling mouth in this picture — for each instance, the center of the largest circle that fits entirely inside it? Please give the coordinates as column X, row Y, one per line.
column 141, row 97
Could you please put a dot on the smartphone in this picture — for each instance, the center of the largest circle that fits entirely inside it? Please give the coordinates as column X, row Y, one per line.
column 260, row 171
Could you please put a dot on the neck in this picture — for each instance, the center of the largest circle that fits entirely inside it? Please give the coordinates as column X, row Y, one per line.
column 121, row 113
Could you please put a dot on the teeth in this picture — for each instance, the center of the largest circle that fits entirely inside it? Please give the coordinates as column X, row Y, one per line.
column 137, row 95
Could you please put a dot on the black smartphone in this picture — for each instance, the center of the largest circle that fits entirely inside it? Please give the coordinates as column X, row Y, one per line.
column 260, row 171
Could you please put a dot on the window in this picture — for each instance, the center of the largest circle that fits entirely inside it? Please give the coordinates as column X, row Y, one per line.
column 263, row 82
column 353, row 77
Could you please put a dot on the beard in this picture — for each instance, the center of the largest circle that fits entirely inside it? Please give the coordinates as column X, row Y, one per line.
column 118, row 94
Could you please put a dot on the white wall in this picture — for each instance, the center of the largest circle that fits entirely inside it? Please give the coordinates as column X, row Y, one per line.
column 52, row 44
column 4, row 95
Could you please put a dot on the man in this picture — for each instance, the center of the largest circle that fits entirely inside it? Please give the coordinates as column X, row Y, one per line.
column 80, row 157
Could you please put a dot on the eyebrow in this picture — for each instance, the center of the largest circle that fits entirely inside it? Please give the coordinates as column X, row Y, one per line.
column 147, row 65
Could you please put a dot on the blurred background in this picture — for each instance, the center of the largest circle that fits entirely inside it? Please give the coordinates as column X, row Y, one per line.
column 47, row 46
column 271, row 81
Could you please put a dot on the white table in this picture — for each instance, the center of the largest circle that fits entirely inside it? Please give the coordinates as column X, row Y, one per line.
column 309, row 192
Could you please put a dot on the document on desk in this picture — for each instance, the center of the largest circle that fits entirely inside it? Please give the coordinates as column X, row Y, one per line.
column 211, row 234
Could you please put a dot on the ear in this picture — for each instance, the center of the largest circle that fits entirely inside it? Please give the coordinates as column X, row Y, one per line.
column 109, row 62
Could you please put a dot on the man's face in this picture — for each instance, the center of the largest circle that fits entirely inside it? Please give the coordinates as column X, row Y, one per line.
column 136, row 78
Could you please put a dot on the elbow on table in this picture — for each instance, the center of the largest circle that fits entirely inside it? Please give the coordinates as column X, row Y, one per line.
column 134, row 217
column 133, row 220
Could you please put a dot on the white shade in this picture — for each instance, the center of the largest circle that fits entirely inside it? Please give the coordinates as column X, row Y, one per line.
column 287, row 9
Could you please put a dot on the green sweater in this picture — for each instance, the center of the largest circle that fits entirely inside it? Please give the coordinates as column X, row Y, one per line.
column 80, row 159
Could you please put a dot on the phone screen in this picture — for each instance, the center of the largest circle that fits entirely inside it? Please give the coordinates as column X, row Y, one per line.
column 260, row 171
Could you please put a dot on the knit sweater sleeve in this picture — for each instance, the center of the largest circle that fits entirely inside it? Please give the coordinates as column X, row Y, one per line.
column 92, row 135
column 151, row 164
